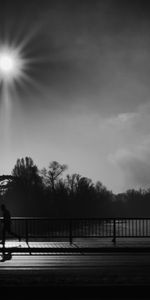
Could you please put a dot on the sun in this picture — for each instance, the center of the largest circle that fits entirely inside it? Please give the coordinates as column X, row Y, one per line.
column 11, row 64
column 7, row 63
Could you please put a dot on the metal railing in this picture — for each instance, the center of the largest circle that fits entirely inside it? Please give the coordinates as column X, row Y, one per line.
column 49, row 228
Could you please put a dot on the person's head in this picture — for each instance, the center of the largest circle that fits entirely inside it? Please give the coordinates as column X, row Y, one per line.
column 3, row 207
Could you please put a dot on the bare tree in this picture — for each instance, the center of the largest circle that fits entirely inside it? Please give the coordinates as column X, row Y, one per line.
column 72, row 182
column 52, row 175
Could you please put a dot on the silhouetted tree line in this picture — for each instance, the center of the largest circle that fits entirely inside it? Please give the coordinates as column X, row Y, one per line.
column 47, row 192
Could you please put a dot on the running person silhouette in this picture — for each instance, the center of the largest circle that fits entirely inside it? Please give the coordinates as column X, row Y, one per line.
column 6, row 222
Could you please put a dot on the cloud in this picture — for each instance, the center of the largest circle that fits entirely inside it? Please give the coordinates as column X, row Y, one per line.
column 132, row 155
column 136, row 168
column 135, row 165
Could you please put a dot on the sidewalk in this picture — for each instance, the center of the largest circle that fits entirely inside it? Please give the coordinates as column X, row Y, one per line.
column 80, row 245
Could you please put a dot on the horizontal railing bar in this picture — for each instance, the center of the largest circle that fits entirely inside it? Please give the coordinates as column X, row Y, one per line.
column 62, row 219
column 78, row 219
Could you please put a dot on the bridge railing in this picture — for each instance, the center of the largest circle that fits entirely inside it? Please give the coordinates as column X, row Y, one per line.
column 49, row 228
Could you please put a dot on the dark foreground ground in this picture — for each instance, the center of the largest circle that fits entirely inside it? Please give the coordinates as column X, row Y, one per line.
column 77, row 276
column 63, row 273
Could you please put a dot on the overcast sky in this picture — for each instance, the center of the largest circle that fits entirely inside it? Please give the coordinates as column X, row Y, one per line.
column 87, row 100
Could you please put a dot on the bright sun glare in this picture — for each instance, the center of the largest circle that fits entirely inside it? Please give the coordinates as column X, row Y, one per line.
column 11, row 64
column 7, row 63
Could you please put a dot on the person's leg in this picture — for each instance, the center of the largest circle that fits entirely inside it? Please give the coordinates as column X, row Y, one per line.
column 3, row 240
column 3, row 236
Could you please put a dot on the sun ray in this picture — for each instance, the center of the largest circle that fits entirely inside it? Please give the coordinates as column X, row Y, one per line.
column 27, row 80
column 23, row 36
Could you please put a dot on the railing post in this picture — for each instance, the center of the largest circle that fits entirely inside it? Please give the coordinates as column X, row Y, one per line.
column 114, row 231
column 27, row 235
column 70, row 232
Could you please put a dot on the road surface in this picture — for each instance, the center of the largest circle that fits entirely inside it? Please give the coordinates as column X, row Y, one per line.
column 76, row 269
column 85, row 276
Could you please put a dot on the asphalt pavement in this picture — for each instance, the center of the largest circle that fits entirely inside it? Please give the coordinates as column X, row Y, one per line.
column 76, row 270
column 80, row 275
